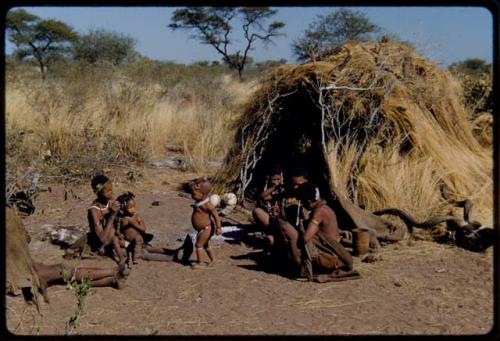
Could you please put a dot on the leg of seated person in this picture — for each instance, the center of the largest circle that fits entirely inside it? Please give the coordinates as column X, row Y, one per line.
column 261, row 217
column 104, row 282
column 290, row 237
column 93, row 273
column 160, row 250
column 138, row 245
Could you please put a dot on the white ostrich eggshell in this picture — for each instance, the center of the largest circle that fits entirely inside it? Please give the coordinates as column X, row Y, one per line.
column 214, row 199
column 230, row 199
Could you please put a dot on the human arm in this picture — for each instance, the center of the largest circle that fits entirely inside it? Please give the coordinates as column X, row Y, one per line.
column 305, row 214
column 107, row 232
column 137, row 223
column 212, row 211
column 312, row 227
column 267, row 194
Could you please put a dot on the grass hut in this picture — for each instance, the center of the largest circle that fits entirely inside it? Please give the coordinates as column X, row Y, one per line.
column 376, row 124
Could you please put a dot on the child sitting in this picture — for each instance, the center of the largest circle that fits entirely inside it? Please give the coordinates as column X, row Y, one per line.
column 132, row 230
column 269, row 204
column 204, row 219
column 131, row 227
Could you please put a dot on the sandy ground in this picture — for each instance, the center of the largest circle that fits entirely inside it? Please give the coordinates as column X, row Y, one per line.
column 412, row 288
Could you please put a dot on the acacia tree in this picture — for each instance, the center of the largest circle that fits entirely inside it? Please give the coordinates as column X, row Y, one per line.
column 101, row 45
column 37, row 38
column 333, row 29
column 213, row 26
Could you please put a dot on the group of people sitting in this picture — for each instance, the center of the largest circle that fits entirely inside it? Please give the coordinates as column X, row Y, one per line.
column 301, row 229
column 118, row 231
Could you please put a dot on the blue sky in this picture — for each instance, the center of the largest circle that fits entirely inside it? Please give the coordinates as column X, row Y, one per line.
column 444, row 34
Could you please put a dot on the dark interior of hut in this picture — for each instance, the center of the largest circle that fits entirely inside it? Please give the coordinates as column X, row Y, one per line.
column 296, row 141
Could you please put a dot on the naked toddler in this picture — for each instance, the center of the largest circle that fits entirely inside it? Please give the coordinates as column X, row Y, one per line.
column 205, row 219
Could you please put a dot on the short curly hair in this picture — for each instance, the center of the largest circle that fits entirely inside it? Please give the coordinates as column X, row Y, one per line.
column 98, row 182
column 125, row 198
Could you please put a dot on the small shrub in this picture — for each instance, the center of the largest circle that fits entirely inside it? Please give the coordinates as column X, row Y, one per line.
column 82, row 290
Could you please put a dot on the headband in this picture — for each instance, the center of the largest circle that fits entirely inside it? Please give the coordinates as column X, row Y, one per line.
column 99, row 187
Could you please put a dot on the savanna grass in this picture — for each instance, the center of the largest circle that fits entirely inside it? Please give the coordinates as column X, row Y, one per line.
column 84, row 118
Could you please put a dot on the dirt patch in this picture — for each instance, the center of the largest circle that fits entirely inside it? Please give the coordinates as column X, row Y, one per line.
column 422, row 288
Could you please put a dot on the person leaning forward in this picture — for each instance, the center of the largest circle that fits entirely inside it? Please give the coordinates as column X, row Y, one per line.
column 322, row 257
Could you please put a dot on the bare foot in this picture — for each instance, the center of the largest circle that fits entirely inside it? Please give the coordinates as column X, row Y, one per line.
column 43, row 289
column 204, row 265
column 120, row 280
column 123, row 269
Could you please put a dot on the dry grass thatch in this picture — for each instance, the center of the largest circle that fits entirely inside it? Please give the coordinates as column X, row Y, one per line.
column 375, row 122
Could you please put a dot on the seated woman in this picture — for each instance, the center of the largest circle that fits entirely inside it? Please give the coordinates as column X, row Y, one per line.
column 102, row 216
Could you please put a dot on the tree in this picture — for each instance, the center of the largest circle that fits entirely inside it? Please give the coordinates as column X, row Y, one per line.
column 476, row 77
column 213, row 26
column 471, row 66
column 233, row 59
column 41, row 39
column 331, row 30
column 101, row 45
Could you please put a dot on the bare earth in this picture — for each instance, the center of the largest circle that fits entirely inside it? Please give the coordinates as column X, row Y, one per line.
column 422, row 288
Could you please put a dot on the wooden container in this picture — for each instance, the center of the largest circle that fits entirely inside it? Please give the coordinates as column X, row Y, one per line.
column 360, row 242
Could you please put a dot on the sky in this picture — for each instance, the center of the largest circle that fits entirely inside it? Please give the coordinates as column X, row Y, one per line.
column 443, row 34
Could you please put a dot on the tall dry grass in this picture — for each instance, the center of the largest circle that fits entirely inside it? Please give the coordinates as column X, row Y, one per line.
column 412, row 181
column 87, row 119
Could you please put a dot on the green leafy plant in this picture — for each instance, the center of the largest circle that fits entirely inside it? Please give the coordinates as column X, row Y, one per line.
column 82, row 290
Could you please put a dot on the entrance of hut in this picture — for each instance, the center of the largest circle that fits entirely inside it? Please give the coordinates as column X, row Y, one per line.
column 296, row 141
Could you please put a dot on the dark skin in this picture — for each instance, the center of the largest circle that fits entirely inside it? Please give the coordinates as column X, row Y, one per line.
column 288, row 234
column 261, row 215
column 53, row 274
column 102, row 224
column 297, row 181
column 323, row 219
column 132, row 225
column 201, row 218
